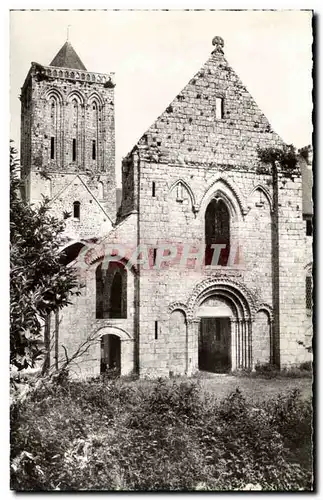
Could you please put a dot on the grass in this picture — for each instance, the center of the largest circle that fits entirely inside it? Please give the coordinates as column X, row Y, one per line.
column 254, row 389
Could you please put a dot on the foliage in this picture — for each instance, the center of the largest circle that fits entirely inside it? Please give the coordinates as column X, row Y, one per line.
column 39, row 282
column 285, row 156
column 164, row 435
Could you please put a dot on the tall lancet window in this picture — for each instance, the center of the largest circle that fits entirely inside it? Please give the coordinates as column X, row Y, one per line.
column 217, row 231
column 53, row 133
column 75, row 129
column 94, row 123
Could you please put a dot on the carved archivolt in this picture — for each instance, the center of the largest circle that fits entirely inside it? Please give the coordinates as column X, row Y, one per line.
column 177, row 306
column 267, row 308
column 240, row 297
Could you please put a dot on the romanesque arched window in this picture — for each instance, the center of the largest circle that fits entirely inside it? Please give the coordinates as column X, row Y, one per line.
column 111, row 291
column 217, row 231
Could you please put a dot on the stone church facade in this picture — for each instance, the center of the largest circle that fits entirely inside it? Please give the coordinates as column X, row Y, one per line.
column 163, row 307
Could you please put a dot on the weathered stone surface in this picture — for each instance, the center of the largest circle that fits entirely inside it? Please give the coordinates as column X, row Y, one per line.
column 193, row 153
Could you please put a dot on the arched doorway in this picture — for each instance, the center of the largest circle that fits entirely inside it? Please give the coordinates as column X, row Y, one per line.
column 214, row 344
column 220, row 318
column 110, row 355
column 115, row 351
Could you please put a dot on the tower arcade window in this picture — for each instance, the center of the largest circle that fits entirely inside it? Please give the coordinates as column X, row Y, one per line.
column 74, row 150
column 52, row 148
column 217, row 231
column 76, row 210
column 93, row 150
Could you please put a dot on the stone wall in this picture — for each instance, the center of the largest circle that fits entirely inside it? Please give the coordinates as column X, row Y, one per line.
column 210, row 155
column 63, row 105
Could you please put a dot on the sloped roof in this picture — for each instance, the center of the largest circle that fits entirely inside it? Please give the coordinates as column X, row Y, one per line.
column 66, row 57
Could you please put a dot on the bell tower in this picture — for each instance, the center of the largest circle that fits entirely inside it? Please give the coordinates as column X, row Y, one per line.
column 68, row 141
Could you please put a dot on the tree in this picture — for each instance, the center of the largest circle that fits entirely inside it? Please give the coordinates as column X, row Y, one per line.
column 39, row 281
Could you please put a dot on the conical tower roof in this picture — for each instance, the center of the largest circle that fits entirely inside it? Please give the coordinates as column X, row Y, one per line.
column 66, row 57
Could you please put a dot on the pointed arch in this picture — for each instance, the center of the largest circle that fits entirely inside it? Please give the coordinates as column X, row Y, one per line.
column 222, row 187
column 260, row 187
column 76, row 94
column 188, row 189
column 95, row 97
column 54, row 93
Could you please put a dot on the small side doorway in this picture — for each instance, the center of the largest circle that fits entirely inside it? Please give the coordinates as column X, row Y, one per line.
column 215, row 345
column 111, row 355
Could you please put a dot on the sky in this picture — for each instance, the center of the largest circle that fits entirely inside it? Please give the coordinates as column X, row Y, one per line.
column 155, row 53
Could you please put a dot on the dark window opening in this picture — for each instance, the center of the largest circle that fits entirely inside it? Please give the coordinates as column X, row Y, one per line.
column 309, row 227
column 217, row 232
column 74, row 150
column 93, row 150
column 116, row 297
column 52, row 148
column 111, row 291
column 156, row 330
column 76, row 209
column 309, row 292
column 154, row 255
column 110, row 355
column 219, row 108
column 153, row 189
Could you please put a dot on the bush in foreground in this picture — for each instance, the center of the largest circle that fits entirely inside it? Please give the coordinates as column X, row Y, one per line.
column 160, row 436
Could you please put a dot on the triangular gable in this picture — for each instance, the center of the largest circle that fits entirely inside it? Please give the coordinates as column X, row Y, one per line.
column 191, row 128
column 66, row 188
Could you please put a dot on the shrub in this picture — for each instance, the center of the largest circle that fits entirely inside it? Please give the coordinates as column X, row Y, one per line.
column 164, row 435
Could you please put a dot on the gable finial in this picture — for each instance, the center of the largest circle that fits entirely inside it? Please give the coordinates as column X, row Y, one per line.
column 68, row 32
column 218, row 43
